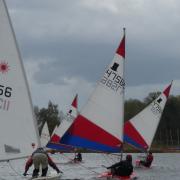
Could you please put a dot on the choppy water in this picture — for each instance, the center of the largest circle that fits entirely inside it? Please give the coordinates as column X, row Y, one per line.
column 166, row 166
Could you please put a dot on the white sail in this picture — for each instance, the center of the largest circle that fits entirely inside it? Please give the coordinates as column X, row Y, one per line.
column 99, row 126
column 140, row 130
column 45, row 136
column 18, row 129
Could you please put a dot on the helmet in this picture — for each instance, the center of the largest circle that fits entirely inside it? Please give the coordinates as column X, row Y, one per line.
column 40, row 149
column 129, row 158
column 150, row 152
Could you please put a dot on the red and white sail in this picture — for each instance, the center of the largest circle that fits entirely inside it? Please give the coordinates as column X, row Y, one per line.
column 99, row 126
column 140, row 130
column 54, row 142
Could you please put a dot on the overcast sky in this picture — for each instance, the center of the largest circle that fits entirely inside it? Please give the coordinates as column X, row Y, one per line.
column 66, row 45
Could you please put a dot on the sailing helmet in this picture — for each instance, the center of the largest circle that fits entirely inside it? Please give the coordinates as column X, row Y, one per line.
column 129, row 157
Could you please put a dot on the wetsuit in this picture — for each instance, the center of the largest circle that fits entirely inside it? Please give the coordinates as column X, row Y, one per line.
column 40, row 157
column 123, row 168
column 148, row 161
column 78, row 157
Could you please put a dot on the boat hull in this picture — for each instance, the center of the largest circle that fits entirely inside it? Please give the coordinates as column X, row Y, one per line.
column 108, row 175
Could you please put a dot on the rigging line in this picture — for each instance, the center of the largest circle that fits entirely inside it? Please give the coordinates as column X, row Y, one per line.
column 13, row 169
column 16, row 172
column 88, row 168
column 66, row 157
column 82, row 165
column 107, row 158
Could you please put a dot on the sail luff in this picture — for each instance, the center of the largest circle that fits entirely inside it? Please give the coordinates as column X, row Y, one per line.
column 122, row 51
column 18, row 127
column 24, row 74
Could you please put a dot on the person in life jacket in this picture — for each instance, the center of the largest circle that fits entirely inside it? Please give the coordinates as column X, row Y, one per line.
column 122, row 168
column 148, row 161
column 78, row 157
column 40, row 158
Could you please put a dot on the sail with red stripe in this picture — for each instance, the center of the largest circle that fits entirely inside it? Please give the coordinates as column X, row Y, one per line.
column 140, row 130
column 54, row 142
column 99, row 126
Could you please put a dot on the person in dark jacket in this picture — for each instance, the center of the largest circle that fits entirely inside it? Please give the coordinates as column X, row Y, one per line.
column 148, row 161
column 40, row 158
column 78, row 157
column 122, row 168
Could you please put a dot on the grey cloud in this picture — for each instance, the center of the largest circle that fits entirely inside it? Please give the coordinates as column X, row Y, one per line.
column 80, row 40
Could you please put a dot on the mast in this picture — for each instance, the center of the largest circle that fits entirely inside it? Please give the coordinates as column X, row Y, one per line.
column 124, row 31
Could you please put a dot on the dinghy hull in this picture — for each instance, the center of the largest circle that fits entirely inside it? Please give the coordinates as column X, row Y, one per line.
column 108, row 175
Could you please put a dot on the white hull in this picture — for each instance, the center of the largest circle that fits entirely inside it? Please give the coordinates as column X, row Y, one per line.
column 52, row 177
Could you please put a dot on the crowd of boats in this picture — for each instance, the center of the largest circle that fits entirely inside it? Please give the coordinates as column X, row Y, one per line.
column 98, row 127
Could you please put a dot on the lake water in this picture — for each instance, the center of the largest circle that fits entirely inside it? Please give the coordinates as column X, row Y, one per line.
column 166, row 166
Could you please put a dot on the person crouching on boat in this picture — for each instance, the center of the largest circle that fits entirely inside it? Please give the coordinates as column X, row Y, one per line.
column 122, row 168
column 78, row 157
column 148, row 161
column 40, row 158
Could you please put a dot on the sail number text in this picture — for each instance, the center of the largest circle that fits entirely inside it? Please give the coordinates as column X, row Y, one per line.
column 156, row 108
column 6, row 91
column 112, row 80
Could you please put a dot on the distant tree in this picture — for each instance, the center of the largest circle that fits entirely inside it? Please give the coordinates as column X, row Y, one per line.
column 37, row 116
column 50, row 115
column 151, row 97
column 132, row 107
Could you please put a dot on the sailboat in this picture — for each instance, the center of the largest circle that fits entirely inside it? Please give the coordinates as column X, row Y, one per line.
column 18, row 131
column 140, row 130
column 99, row 126
column 54, row 142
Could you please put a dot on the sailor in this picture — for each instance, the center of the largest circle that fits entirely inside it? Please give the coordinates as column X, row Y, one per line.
column 40, row 158
column 148, row 161
column 78, row 157
column 122, row 168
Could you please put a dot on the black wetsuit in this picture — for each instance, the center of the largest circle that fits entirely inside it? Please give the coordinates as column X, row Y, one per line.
column 123, row 168
column 78, row 157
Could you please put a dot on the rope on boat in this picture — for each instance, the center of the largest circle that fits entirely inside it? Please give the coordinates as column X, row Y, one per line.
column 79, row 164
column 13, row 169
column 109, row 158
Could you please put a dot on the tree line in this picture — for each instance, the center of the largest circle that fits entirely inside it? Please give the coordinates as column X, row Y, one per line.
column 168, row 131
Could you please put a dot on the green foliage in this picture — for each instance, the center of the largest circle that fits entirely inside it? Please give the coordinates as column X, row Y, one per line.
column 51, row 115
column 151, row 97
column 132, row 107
